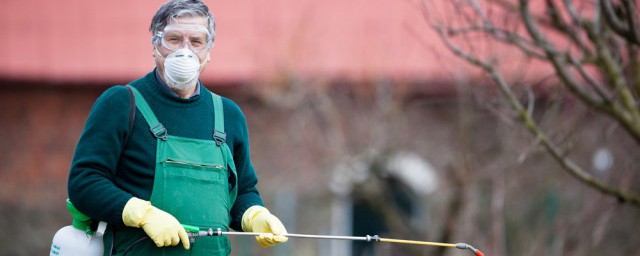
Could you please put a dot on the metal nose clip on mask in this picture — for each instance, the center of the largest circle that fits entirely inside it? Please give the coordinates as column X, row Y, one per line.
column 181, row 68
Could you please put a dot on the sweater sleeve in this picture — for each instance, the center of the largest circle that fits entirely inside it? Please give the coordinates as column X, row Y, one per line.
column 90, row 186
column 248, row 194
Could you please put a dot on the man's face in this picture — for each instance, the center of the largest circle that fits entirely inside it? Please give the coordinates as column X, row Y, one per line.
column 189, row 36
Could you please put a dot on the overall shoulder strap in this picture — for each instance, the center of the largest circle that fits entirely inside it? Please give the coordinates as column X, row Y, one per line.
column 220, row 138
column 218, row 133
column 155, row 126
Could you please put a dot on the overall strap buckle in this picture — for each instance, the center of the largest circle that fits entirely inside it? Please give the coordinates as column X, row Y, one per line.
column 219, row 137
column 159, row 132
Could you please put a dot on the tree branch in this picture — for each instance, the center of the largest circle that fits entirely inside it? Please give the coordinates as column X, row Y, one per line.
column 559, row 24
column 612, row 18
column 571, row 167
column 557, row 61
column 571, row 10
column 528, row 121
column 597, row 87
column 628, row 114
column 632, row 11
column 629, row 30
column 504, row 36
column 634, row 66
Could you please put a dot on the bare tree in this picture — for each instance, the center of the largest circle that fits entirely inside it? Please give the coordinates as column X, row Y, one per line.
column 591, row 47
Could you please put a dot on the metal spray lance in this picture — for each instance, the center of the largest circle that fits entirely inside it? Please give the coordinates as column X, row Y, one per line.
column 194, row 232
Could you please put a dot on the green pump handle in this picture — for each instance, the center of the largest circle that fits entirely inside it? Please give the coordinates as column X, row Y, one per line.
column 80, row 220
column 191, row 229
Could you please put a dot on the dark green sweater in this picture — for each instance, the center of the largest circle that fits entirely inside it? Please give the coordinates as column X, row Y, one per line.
column 112, row 164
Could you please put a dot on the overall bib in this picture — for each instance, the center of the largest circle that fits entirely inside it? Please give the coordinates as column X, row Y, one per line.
column 195, row 181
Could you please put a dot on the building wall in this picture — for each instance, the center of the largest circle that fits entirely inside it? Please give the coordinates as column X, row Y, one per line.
column 41, row 127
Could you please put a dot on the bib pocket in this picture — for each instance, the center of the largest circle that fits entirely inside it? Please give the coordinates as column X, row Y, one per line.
column 194, row 193
column 205, row 173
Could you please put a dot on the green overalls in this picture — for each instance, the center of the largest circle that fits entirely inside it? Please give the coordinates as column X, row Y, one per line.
column 192, row 183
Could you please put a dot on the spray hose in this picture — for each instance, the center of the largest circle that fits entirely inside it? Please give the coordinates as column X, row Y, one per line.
column 194, row 232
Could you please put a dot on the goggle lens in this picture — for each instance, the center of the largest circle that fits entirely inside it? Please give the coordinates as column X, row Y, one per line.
column 177, row 37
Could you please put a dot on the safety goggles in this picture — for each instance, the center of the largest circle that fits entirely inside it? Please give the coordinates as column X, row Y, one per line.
column 177, row 36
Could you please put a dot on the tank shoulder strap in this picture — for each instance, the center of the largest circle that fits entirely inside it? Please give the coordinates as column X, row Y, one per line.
column 155, row 126
column 218, row 112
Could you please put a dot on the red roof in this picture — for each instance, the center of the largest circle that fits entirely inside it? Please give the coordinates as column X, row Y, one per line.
column 74, row 40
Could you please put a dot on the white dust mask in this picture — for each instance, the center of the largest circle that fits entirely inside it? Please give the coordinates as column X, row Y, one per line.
column 181, row 69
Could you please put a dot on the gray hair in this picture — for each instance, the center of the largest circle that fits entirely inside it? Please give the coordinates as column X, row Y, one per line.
column 174, row 9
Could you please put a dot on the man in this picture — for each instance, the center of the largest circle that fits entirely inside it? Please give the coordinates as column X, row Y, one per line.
column 164, row 151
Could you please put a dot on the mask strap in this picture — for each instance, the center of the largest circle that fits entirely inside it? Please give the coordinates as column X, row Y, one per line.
column 155, row 48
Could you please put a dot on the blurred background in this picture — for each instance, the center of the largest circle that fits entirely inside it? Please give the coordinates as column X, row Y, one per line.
column 510, row 127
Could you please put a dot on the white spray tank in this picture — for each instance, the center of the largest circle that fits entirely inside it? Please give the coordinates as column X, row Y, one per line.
column 78, row 238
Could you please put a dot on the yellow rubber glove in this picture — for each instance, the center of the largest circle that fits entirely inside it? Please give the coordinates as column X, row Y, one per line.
column 161, row 227
column 259, row 219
